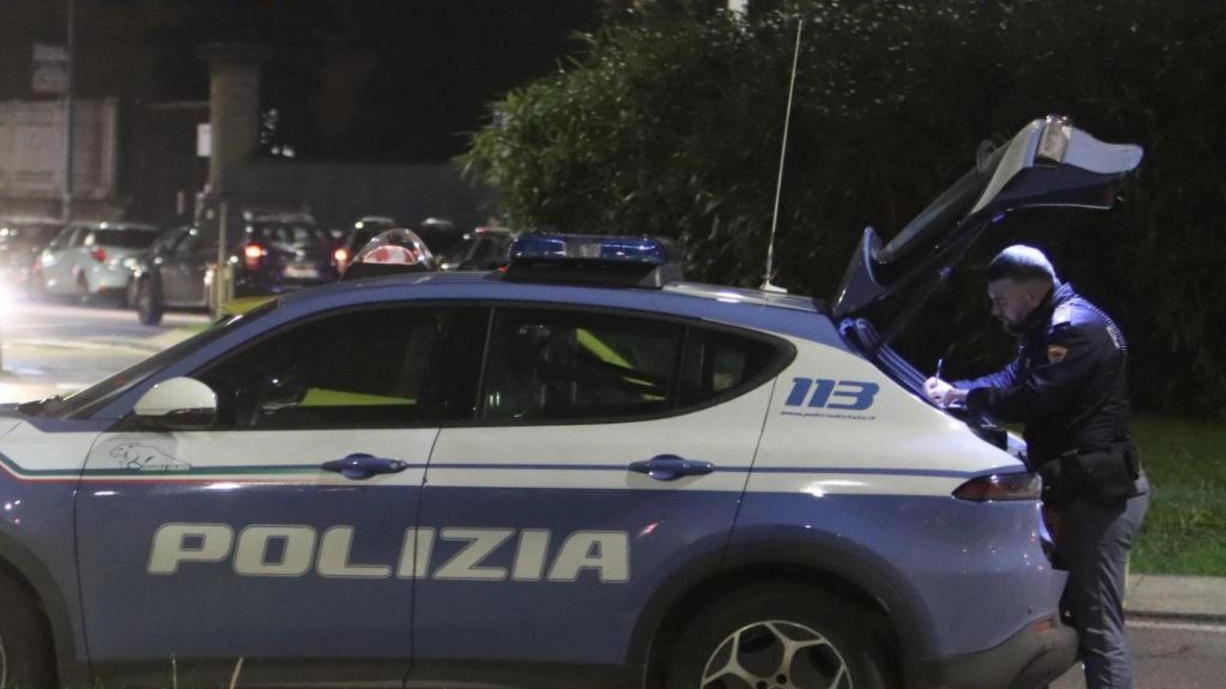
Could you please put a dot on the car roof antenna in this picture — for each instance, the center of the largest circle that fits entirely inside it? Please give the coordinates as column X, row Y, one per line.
column 767, row 285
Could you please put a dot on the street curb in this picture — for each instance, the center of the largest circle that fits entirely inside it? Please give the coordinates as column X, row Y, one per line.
column 1167, row 616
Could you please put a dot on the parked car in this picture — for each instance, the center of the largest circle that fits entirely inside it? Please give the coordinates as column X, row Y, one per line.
column 580, row 472
column 22, row 239
column 446, row 241
column 354, row 238
column 268, row 254
column 175, row 272
column 353, row 242
column 487, row 248
column 282, row 253
column 89, row 260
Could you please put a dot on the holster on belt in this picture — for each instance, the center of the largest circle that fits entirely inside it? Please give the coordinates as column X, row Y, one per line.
column 1105, row 475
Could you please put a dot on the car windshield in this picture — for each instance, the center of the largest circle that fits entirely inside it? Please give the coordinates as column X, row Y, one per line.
column 82, row 403
column 124, row 238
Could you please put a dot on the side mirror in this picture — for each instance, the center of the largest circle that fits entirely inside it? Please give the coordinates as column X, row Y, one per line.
column 182, row 404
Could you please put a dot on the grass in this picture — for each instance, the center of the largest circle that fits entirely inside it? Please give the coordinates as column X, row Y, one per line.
column 1185, row 529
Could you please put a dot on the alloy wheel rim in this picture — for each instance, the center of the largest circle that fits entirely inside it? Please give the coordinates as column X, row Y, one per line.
column 775, row 654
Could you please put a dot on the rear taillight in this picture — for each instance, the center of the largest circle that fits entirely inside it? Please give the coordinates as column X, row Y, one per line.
column 999, row 487
column 253, row 255
column 98, row 254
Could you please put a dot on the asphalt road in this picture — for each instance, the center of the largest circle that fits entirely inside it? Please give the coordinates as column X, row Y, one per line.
column 1170, row 655
column 54, row 348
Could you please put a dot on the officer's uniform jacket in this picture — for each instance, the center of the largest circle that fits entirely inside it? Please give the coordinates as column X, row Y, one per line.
column 1068, row 384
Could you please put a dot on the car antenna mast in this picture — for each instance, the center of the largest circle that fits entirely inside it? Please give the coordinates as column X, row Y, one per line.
column 767, row 285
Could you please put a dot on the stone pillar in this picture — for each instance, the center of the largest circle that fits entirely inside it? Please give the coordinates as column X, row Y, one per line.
column 234, row 107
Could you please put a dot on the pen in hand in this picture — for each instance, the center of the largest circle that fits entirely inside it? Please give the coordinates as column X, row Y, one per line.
column 940, row 368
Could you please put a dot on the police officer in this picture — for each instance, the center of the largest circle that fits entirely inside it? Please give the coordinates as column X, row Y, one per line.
column 1068, row 385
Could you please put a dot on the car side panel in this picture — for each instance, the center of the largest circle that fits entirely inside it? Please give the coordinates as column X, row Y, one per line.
column 564, row 480
column 856, row 458
column 39, row 473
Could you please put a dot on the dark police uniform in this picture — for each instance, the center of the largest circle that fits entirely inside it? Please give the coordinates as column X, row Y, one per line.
column 1069, row 386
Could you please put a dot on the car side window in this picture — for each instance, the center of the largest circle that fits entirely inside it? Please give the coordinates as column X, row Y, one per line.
column 718, row 363
column 187, row 244
column 547, row 366
column 356, row 369
column 163, row 243
column 569, row 365
column 60, row 240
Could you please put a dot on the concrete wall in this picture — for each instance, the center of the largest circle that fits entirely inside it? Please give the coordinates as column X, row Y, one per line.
column 32, row 153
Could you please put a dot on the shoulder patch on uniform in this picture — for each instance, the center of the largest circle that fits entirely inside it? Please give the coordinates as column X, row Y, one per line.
column 1063, row 314
column 1056, row 353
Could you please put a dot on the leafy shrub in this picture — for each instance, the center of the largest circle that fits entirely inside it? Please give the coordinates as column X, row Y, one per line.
column 672, row 126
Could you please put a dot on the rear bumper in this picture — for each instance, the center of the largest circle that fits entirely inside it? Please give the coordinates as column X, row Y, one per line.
column 109, row 279
column 1034, row 656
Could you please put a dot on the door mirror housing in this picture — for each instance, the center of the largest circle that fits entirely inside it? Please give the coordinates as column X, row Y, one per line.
column 180, row 404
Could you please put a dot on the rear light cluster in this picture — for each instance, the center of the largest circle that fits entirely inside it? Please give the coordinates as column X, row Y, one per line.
column 1000, row 487
column 98, row 254
column 253, row 256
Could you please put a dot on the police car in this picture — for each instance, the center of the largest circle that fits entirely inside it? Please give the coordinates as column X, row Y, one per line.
column 581, row 472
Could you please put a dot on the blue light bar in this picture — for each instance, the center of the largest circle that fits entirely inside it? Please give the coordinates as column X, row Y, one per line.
column 580, row 249
column 592, row 260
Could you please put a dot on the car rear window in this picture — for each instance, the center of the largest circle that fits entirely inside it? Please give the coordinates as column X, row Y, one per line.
column 287, row 234
column 123, row 238
column 446, row 244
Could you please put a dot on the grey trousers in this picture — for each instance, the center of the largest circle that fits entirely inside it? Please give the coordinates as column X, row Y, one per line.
column 1092, row 541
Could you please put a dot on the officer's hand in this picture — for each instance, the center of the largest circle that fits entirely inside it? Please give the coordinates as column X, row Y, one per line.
column 942, row 393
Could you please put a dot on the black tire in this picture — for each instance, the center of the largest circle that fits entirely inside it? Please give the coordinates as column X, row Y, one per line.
column 26, row 658
column 149, row 303
column 829, row 638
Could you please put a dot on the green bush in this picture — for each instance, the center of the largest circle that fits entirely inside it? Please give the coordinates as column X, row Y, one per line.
column 672, row 126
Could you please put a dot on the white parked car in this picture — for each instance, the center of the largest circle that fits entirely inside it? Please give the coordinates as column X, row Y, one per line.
column 87, row 260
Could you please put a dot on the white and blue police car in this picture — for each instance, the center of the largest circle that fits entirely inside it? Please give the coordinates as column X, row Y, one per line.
column 546, row 478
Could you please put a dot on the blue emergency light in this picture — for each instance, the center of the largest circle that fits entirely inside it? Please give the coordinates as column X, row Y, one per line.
column 593, row 259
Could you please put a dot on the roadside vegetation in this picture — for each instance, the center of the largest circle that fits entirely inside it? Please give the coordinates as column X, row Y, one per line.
column 670, row 124
column 1182, row 533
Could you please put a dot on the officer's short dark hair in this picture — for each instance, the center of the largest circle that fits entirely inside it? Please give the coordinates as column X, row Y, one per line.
column 1022, row 263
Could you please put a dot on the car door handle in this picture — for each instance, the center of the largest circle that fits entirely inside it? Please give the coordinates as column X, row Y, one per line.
column 671, row 467
column 359, row 466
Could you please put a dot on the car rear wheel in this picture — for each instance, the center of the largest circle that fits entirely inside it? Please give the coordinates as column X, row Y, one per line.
column 149, row 304
column 26, row 660
column 779, row 637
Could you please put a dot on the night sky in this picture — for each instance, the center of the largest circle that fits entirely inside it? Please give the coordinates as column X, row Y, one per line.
column 353, row 80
